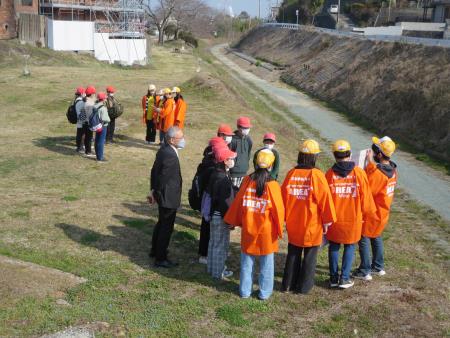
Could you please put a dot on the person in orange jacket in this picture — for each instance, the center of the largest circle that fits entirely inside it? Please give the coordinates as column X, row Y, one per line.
column 166, row 113
column 309, row 213
column 353, row 202
column 180, row 107
column 258, row 208
column 148, row 101
column 382, row 174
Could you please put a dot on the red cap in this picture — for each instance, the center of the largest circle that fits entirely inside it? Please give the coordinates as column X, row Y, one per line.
column 215, row 141
column 90, row 90
column 221, row 153
column 80, row 91
column 225, row 129
column 270, row 136
column 110, row 89
column 101, row 96
column 243, row 122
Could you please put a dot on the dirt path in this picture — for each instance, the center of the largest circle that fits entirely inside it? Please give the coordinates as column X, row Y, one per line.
column 424, row 184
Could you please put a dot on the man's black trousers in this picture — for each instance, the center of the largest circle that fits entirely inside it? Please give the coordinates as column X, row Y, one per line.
column 151, row 131
column 162, row 232
column 299, row 272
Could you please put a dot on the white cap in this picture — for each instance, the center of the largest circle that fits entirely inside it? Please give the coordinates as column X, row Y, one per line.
column 152, row 87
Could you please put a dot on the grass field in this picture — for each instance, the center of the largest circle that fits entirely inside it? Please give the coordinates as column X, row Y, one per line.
column 64, row 211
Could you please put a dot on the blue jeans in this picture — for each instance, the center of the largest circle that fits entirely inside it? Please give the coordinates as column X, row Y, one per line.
column 100, row 143
column 347, row 260
column 266, row 275
column 377, row 262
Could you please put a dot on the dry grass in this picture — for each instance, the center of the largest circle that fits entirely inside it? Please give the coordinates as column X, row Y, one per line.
column 52, row 213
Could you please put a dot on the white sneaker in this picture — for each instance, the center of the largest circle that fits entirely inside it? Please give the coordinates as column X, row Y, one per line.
column 227, row 274
column 203, row 260
column 378, row 272
column 358, row 274
column 345, row 284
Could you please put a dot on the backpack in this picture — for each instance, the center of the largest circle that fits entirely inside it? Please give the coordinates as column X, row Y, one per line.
column 194, row 194
column 72, row 113
column 95, row 123
column 115, row 110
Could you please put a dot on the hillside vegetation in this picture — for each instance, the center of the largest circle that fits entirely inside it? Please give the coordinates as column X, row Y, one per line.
column 393, row 88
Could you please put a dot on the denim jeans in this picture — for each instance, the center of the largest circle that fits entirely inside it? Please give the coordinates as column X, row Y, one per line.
column 377, row 262
column 266, row 275
column 347, row 260
column 100, row 143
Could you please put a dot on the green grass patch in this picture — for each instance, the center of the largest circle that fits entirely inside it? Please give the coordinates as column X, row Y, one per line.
column 70, row 198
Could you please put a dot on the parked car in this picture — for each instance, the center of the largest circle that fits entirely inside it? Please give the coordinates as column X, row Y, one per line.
column 334, row 9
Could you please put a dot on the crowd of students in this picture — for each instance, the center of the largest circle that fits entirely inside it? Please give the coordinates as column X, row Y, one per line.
column 347, row 205
column 87, row 103
column 161, row 111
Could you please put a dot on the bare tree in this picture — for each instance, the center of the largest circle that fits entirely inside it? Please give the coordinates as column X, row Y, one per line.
column 159, row 14
column 187, row 12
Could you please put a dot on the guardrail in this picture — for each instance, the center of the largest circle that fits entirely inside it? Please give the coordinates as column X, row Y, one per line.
column 387, row 38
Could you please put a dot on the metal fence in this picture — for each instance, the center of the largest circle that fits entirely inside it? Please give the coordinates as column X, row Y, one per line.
column 387, row 38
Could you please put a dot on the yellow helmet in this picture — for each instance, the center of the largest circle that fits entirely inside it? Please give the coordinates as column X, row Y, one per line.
column 385, row 144
column 265, row 159
column 167, row 91
column 310, row 147
column 341, row 146
column 176, row 90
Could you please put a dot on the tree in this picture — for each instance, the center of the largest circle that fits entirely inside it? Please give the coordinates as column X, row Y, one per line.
column 159, row 15
column 187, row 12
column 315, row 7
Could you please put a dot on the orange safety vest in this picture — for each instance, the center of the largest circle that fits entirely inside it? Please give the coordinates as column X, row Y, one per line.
column 261, row 218
column 180, row 112
column 309, row 205
column 382, row 188
column 144, row 108
column 167, row 114
column 353, row 202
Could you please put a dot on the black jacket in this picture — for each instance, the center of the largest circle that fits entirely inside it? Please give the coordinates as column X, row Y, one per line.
column 221, row 191
column 165, row 179
column 242, row 145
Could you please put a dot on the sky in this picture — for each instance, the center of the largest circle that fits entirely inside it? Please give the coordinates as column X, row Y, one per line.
column 250, row 6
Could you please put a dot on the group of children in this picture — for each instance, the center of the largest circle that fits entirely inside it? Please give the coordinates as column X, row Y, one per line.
column 162, row 110
column 88, row 102
column 345, row 206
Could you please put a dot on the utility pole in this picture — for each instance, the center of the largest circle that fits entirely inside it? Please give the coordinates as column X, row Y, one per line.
column 296, row 13
column 339, row 9
column 259, row 10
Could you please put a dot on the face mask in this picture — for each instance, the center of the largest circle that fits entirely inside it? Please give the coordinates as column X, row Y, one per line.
column 228, row 139
column 181, row 144
column 268, row 146
column 245, row 131
column 111, row 94
column 230, row 164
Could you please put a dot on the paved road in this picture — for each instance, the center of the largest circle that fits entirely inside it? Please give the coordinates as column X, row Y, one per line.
column 424, row 184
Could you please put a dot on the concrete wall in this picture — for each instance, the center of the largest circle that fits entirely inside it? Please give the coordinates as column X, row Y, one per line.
column 32, row 29
column 390, row 30
column 70, row 35
column 7, row 20
column 422, row 26
column 125, row 51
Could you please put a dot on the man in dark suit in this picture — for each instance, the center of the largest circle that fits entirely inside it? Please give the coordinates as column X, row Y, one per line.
column 165, row 189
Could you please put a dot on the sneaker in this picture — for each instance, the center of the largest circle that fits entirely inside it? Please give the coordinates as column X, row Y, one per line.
column 334, row 282
column 90, row 155
column 358, row 274
column 203, row 260
column 378, row 272
column 227, row 274
column 102, row 161
column 345, row 284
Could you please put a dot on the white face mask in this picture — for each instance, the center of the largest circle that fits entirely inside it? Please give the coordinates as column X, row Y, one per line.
column 245, row 131
column 268, row 146
column 228, row 139
column 229, row 164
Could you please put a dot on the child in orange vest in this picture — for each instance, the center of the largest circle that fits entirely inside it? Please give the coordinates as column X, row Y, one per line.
column 353, row 202
column 309, row 213
column 258, row 208
column 382, row 175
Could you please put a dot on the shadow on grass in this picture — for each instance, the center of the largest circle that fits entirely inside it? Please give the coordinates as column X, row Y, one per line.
column 131, row 142
column 64, row 145
column 134, row 240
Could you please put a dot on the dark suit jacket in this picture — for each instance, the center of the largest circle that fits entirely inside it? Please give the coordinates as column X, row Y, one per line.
column 165, row 179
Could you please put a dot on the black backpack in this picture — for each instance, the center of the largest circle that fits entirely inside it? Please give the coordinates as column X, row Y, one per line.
column 194, row 194
column 72, row 113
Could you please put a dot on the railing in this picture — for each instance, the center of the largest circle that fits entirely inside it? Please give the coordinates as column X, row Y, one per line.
column 387, row 38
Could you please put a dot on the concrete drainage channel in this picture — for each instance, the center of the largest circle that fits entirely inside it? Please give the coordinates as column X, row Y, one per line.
column 252, row 60
column 424, row 184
